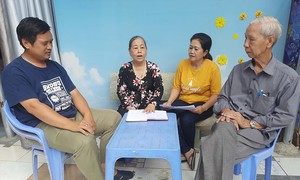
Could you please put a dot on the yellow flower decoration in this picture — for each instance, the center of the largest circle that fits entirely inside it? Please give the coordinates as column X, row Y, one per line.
column 243, row 16
column 222, row 60
column 235, row 36
column 220, row 22
column 241, row 60
column 258, row 13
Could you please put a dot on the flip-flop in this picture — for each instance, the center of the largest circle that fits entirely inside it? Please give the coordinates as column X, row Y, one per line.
column 191, row 160
column 124, row 175
column 183, row 159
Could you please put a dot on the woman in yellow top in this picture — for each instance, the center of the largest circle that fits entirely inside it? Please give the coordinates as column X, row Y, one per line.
column 197, row 82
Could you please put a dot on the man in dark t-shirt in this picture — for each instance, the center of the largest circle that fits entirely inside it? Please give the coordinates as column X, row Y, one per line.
column 43, row 96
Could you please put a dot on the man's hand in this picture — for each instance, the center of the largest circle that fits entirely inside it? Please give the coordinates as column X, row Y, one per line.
column 231, row 116
column 240, row 120
column 90, row 122
column 83, row 127
column 224, row 116
column 235, row 117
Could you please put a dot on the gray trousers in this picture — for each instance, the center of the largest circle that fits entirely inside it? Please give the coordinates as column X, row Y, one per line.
column 85, row 151
column 225, row 147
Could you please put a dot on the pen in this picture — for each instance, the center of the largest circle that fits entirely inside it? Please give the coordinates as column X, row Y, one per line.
column 260, row 92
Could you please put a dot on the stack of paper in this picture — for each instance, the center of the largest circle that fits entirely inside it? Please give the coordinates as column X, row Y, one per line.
column 139, row 115
column 189, row 107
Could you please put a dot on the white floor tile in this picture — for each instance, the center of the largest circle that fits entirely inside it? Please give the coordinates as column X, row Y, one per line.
column 237, row 177
column 161, row 163
column 160, row 169
column 157, row 163
column 185, row 166
column 28, row 158
column 150, row 174
column 291, row 165
column 276, row 154
column 15, row 163
column 18, row 143
column 188, row 174
column 15, row 170
column 12, row 153
column 275, row 170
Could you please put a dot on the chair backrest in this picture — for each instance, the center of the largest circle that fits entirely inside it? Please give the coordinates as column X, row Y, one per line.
column 23, row 130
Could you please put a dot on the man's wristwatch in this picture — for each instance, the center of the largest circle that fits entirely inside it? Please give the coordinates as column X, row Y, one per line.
column 253, row 124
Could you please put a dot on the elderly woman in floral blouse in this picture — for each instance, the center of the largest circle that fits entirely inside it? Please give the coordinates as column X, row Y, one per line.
column 139, row 84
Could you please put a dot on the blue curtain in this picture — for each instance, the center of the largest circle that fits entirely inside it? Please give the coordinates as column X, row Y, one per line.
column 292, row 47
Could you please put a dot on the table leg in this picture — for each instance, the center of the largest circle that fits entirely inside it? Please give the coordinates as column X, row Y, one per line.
column 175, row 163
column 109, row 166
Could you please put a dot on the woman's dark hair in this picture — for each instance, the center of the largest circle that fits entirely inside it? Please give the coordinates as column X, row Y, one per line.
column 29, row 28
column 205, row 42
column 134, row 38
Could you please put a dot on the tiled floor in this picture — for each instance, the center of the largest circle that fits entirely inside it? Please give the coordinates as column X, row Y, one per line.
column 15, row 163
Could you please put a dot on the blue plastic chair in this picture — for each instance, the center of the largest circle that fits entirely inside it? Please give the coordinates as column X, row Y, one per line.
column 249, row 165
column 54, row 157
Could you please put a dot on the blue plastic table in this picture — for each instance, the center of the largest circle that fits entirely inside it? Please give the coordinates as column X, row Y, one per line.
column 151, row 139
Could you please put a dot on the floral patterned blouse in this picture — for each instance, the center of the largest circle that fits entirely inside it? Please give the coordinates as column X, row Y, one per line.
column 136, row 92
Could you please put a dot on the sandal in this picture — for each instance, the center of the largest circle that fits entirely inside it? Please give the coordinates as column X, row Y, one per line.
column 183, row 159
column 124, row 175
column 191, row 160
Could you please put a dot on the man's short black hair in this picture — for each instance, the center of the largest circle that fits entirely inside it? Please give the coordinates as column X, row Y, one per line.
column 29, row 28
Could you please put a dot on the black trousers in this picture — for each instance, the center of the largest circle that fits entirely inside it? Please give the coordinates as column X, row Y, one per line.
column 187, row 121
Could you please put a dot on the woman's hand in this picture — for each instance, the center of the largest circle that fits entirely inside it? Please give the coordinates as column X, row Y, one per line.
column 198, row 110
column 150, row 108
column 167, row 103
column 130, row 108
